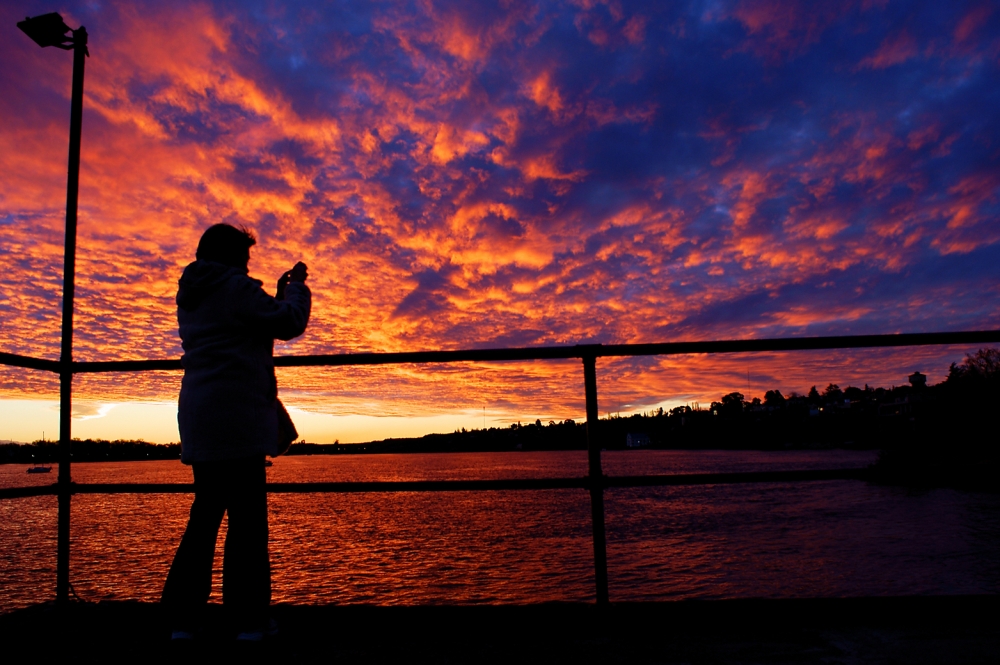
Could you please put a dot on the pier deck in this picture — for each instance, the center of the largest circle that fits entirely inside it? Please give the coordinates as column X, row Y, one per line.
column 862, row 630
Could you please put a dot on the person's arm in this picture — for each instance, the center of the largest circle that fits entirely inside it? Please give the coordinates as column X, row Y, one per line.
column 280, row 319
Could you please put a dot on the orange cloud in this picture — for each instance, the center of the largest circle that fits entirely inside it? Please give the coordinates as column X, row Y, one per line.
column 894, row 50
column 543, row 93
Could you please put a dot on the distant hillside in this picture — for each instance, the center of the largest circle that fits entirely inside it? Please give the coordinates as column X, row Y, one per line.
column 88, row 450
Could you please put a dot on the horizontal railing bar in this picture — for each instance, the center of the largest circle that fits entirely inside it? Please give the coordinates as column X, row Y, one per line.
column 465, row 485
column 551, row 352
column 15, row 360
column 21, row 492
column 738, row 477
column 98, row 366
column 803, row 343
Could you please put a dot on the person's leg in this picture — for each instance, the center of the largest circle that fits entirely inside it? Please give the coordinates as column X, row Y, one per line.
column 246, row 569
column 189, row 582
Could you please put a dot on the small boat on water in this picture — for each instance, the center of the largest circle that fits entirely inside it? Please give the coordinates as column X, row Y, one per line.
column 38, row 467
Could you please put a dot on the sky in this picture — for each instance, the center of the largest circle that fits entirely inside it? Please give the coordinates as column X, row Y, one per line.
column 476, row 175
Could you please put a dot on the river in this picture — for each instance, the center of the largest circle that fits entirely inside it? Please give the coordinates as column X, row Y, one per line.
column 829, row 538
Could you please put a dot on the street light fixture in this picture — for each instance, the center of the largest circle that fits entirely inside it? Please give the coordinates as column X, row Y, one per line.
column 50, row 30
column 47, row 30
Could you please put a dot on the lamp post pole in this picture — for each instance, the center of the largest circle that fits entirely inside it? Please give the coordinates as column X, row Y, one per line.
column 50, row 30
column 66, row 351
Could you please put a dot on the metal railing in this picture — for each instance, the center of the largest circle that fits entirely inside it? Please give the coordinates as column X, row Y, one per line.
column 595, row 482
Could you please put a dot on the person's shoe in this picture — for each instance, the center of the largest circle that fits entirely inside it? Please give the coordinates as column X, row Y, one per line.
column 259, row 635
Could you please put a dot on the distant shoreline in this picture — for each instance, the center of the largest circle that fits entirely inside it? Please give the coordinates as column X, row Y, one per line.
column 926, row 435
column 141, row 451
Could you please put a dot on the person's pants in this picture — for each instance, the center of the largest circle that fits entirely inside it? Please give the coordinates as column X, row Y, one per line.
column 239, row 487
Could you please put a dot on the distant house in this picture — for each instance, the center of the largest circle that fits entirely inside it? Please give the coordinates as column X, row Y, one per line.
column 901, row 406
column 918, row 380
column 636, row 440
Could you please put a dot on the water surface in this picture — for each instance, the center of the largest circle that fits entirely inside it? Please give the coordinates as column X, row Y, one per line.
column 829, row 538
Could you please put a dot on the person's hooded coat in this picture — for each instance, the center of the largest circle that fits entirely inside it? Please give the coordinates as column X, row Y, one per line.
column 228, row 402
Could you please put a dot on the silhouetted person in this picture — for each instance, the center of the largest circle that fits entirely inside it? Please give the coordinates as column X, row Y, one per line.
column 229, row 421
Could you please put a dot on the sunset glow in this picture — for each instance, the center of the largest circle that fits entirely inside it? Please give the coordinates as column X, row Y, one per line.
column 475, row 175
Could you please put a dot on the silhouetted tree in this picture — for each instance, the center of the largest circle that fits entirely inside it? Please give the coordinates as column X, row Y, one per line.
column 732, row 404
column 950, row 439
column 978, row 370
column 854, row 394
column 774, row 399
column 833, row 393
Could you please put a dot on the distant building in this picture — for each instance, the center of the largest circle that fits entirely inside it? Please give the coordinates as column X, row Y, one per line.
column 901, row 406
column 636, row 440
column 918, row 380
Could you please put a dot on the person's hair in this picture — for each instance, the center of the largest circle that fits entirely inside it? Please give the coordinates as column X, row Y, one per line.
column 226, row 244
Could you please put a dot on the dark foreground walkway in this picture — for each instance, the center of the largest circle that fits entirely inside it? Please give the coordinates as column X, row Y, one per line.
column 863, row 630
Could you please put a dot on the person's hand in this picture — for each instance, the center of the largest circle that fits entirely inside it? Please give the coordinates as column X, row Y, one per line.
column 282, row 283
column 299, row 273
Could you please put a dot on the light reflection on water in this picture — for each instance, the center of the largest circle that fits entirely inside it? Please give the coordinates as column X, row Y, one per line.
column 832, row 538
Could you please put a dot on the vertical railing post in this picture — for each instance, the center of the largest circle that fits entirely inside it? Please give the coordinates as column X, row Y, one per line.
column 65, row 486
column 596, row 481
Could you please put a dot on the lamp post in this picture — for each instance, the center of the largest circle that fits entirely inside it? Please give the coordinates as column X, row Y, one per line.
column 50, row 30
